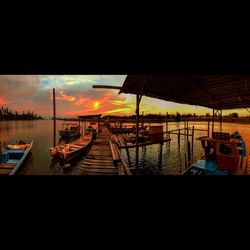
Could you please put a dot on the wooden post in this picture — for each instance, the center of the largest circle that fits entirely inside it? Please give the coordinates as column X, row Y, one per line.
column 220, row 120
column 137, row 129
column 188, row 144
column 128, row 155
column 142, row 123
column 208, row 128
column 160, row 155
column 186, row 161
column 54, row 117
column 213, row 123
column 179, row 138
column 188, row 148
column 192, row 146
column 166, row 121
column 179, row 152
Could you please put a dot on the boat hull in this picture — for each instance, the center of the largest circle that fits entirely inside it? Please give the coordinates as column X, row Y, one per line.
column 14, row 155
column 228, row 158
column 70, row 151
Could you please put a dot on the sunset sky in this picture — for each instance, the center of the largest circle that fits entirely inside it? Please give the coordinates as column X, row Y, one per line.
column 75, row 96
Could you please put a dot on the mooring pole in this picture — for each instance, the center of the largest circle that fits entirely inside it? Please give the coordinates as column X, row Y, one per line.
column 166, row 121
column 192, row 146
column 220, row 120
column 160, row 155
column 213, row 123
column 137, row 129
column 208, row 128
column 142, row 123
column 54, row 116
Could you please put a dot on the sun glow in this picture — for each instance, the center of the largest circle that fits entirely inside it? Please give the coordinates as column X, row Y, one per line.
column 96, row 105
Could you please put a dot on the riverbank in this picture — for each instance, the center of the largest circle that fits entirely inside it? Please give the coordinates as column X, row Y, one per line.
column 241, row 120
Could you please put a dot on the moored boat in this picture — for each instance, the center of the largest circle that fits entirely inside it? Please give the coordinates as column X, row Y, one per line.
column 70, row 151
column 69, row 130
column 224, row 155
column 13, row 155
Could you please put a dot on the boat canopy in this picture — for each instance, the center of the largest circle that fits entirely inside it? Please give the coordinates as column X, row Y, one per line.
column 211, row 91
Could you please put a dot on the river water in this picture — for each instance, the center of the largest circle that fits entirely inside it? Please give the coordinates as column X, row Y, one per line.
column 39, row 162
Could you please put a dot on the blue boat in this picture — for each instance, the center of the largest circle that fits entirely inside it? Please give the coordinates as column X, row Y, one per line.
column 224, row 155
column 13, row 155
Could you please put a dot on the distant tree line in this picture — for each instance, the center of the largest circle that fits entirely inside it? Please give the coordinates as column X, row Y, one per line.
column 8, row 114
column 175, row 117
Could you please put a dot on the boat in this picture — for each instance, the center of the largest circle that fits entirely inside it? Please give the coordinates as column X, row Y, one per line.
column 225, row 154
column 72, row 150
column 69, row 130
column 13, row 155
column 90, row 129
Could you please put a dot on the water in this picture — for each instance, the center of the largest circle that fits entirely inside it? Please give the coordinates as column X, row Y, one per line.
column 39, row 162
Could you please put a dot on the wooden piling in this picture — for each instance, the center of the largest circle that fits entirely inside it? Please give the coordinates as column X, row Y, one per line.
column 220, row 121
column 189, row 155
column 54, row 117
column 208, row 128
column 128, row 156
column 186, row 161
column 213, row 123
column 166, row 121
column 180, row 160
column 192, row 146
column 160, row 156
column 179, row 135
column 137, row 129
column 142, row 122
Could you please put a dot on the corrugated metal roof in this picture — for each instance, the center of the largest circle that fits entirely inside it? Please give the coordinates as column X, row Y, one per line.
column 211, row 91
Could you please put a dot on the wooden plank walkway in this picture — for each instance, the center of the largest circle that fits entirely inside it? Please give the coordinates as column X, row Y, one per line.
column 100, row 160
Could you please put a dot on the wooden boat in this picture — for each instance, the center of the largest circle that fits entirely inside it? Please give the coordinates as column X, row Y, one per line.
column 70, row 151
column 13, row 155
column 224, row 155
column 69, row 130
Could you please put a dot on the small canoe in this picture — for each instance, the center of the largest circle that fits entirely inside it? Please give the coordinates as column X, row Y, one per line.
column 13, row 156
column 70, row 151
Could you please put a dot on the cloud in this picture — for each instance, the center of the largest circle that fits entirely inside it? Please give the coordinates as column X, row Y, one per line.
column 67, row 97
column 15, row 86
column 81, row 100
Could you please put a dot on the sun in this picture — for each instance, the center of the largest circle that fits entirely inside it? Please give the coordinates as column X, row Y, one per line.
column 96, row 104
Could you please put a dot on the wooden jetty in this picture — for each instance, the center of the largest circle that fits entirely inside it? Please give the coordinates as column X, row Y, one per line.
column 104, row 157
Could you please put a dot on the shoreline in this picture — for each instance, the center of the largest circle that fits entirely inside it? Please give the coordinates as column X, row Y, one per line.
column 242, row 120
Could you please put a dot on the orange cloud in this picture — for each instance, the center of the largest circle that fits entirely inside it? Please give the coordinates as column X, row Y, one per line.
column 67, row 97
column 80, row 101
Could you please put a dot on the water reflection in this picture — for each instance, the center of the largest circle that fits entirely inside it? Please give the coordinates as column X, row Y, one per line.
column 40, row 161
